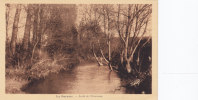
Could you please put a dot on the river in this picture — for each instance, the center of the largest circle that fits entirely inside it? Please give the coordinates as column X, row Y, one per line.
column 83, row 79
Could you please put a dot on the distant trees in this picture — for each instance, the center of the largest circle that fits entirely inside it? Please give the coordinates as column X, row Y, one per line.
column 101, row 16
column 48, row 38
column 53, row 28
column 108, row 22
column 44, row 25
column 130, row 22
column 90, row 31
column 62, row 34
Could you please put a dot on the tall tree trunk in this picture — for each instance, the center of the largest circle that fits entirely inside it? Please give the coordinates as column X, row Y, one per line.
column 109, row 51
column 128, row 65
column 109, row 42
column 40, row 32
column 127, row 36
column 7, row 20
column 26, row 37
column 106, row 31
column 15, row 29
column 35, row 25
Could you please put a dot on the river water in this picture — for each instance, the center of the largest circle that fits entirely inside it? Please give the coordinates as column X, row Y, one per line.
column 83, row 79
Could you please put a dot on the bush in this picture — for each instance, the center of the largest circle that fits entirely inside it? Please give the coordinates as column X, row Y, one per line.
column 16, row 73
column 44, row 67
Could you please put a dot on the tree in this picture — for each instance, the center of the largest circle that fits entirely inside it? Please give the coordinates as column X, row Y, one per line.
column 35, row 24
column 7, row 19
column 108, row 26
column 132, row 25
column 90, row 31
column 103, row 17
column 15, row 29
column 26, row 37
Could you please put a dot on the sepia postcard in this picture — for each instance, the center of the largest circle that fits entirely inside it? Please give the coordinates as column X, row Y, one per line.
column 79, row 50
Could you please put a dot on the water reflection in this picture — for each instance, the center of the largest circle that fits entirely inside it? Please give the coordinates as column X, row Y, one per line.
column 84, row 79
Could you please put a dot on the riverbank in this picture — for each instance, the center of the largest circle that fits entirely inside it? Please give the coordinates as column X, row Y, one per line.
column 13, row 86
column 19, row 77
column 15, row 80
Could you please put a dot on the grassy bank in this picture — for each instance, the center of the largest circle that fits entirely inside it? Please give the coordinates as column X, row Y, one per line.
column 18, row 77
column 15, row 79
